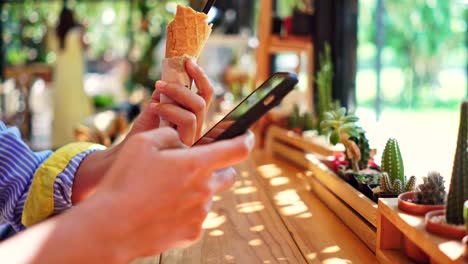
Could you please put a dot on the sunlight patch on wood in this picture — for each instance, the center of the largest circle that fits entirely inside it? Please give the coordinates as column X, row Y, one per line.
column 269, row 171
column 216, row 233
column 305, row 215
column 332, row 249
column 311, row 256
column 452, row 248
column 335, row 261
column 250, row 207
column 411, row 219
column 294, row 209
column 255, row 242
column 213, row 220
column 245, row 190
column 257, row 228
column 279, row 181
column 287, row 197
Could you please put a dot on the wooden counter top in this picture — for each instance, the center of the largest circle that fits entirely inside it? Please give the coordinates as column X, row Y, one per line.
column 269, row 216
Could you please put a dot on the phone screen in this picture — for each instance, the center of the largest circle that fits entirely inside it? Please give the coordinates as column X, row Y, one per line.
column 242, row 108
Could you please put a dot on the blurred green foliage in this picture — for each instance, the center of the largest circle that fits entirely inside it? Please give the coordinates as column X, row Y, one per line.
column 424, row 55
column 114, row 30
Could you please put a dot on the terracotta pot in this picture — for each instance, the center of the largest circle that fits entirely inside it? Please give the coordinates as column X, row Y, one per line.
column 404, row 204
column 444, row 230
column 414, row 252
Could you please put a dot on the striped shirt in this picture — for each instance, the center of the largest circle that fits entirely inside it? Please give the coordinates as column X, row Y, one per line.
column 17, row 167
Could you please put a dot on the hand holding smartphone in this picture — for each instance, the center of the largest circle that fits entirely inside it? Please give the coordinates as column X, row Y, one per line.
column 254, row 106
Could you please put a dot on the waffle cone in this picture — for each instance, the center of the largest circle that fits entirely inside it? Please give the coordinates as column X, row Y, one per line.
column 187, row 33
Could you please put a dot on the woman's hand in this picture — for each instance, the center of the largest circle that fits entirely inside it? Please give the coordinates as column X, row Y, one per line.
column 188, row 114
column 164, row 190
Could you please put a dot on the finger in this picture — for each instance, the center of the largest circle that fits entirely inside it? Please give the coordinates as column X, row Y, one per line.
column 218, row 155
column 223, row 179
column 155, row 97
column 161, row 138
column 185, row 121
column 205, row 88
column 186, row 98
column 147, row 120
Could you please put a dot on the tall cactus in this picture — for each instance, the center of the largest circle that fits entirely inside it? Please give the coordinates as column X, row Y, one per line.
column 394, row 180
column 458, row 192
column 392, row 162
column 324, row 80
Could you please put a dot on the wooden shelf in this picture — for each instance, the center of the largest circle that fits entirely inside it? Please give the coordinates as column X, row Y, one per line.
column 357, row 211
column 290, row 138
column 393, row 224
column 296, row 44
column 272, row 44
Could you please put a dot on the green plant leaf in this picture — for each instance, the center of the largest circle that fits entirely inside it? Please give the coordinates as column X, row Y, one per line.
column 335, row 137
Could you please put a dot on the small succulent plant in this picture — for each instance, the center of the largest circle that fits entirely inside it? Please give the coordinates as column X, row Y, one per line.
column 432, row 190
column 340, row 127
column 397, row 186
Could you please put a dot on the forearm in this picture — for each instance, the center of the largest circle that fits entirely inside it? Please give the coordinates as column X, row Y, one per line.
column 81, row 235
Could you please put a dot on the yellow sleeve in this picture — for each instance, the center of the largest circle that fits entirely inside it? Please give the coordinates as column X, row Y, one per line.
column 39, row 204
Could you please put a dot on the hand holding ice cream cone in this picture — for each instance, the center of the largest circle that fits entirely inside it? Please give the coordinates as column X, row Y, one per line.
column 186, row 37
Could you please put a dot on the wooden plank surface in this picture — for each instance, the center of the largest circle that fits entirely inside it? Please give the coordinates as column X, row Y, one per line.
column 365, row 231
column 358, row 201
column 441, row 250
column 243, row 227
column 320, row 235
column 270, row 216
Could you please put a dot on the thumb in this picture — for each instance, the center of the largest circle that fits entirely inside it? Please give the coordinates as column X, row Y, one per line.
column 147, row 120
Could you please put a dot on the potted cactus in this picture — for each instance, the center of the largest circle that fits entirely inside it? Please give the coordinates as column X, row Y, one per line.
column 450, row 222
column 393, row 180
column 429, row 196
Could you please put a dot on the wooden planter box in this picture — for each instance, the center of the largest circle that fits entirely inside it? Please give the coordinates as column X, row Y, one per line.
column 357, row 211
column 394, row 225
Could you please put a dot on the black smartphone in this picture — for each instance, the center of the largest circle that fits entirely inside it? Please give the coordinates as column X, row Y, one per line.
column 254, row 106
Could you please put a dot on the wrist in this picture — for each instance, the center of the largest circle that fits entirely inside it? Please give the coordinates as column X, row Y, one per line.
column 90, row 172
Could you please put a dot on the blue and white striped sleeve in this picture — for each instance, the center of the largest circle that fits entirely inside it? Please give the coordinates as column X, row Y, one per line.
column 64, row 182
column 18, row 166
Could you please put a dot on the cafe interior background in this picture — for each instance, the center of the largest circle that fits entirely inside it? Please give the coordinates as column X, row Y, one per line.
column 398, row 65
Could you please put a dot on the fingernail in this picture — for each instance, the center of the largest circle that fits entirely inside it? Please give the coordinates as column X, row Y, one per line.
column 161, row 84
column 153, row 105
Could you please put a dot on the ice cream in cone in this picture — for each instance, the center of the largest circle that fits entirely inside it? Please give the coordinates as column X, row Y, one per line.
column 187, row 33
column 186, row 37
